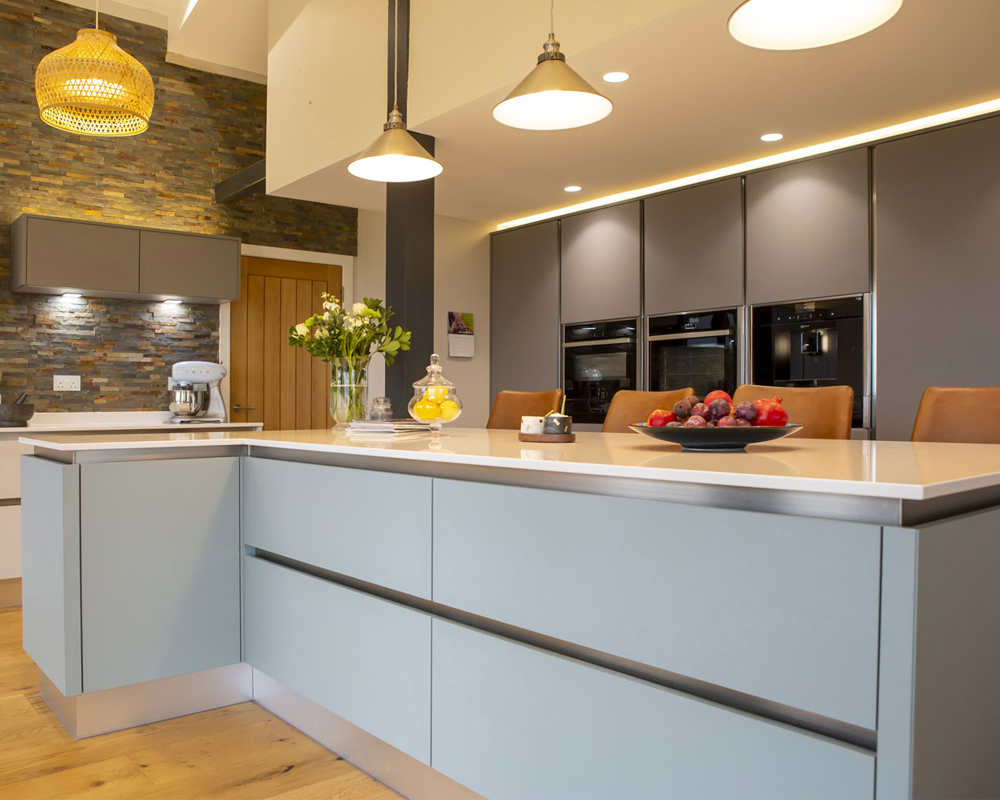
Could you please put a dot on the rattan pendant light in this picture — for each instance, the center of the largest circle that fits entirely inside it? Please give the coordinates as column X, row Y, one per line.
column 395, row 156
column 93, row 87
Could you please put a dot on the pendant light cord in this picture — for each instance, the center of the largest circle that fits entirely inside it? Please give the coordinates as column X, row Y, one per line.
column 395, row 54
column 552, row 17
column 97, row 15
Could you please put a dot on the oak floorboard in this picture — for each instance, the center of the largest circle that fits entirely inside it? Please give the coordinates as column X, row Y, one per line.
column 242, row 752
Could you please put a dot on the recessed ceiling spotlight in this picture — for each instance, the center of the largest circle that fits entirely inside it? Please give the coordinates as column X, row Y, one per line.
column 801, row 24
column 572, row 188
column 171, row 302
column 772, row 137
column 616, row 77
column 72, row 295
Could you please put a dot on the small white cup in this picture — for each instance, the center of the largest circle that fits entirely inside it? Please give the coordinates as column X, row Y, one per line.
column 532, row 424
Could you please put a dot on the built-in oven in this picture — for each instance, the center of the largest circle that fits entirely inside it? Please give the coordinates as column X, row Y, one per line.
column 599, row 359
column 700, row 350
column 814, row 343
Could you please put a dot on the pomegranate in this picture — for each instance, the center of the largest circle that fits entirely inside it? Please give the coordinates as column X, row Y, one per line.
column 718, row 394
column 770, row 413
column 660, row 418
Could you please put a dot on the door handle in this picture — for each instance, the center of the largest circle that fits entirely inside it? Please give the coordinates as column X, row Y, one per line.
column 237, row 408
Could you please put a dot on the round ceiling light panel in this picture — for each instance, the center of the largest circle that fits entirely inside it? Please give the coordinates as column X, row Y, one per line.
column 803, row 24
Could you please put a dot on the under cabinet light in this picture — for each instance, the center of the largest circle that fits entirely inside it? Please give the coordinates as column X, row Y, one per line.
column 171, row 302
column 72, row 295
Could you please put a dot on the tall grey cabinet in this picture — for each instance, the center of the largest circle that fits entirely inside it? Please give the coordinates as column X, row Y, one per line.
column 807, row 229
column 937, row 267
column 524, row 309
column 601, row 264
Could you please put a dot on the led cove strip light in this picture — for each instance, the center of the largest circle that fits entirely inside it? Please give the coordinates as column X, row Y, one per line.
column 955, row 115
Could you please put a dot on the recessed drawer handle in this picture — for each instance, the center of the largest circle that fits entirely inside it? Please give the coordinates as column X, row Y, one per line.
column 237, row 407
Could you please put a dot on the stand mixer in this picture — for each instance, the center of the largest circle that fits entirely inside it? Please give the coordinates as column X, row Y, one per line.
column 195, row 393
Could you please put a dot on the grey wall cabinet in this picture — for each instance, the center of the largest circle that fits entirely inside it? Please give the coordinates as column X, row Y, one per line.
column 192, row 266
column 937, row 267
column 808, row 229
column 53, row 256
column 601, row 264
column 693, row 241
column 524, row 309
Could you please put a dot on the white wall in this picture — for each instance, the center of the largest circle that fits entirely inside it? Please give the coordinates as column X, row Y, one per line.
column 461, row 283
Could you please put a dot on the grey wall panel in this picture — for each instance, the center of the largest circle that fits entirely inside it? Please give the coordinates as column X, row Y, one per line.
column 694, row 248
column 363, row 658
column 160, row 569
column 510, row 721
column 323, row 516
column 189, row 266
column 781, row 607
column 601, row 264
column 50, row 564
column 808, row 229
column 937, row 267
column 81, row 255
column 524, row 309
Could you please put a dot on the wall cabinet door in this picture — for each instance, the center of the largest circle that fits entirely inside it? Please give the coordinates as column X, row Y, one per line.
column 159, row 569
column 58, row 255
column 693, row 243
column 937, row 257
column 807, row 229
column 511, row 721
column 601, row 264
column 189, row 266
column 524, row 309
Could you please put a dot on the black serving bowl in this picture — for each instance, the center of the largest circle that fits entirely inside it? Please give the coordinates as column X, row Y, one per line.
column 720, row 440
column 15, row 416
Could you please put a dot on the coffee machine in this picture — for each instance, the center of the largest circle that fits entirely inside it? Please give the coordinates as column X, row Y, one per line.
column 195, row 391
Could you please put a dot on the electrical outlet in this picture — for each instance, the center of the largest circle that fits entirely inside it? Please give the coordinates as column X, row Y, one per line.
column 66, row 383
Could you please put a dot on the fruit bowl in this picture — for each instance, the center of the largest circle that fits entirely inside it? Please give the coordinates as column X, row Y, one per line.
column 719, row 440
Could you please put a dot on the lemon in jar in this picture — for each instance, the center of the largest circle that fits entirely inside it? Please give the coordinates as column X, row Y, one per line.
column 426, row 410
column 435, row 393
column 449, row 409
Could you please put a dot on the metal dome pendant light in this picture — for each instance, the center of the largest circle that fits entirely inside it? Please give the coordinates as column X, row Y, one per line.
column 553, row 97
column 804, row 24
column 395, row 156
column 93, row 87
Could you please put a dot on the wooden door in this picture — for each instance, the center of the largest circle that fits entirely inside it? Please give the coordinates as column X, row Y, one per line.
column 272, row 382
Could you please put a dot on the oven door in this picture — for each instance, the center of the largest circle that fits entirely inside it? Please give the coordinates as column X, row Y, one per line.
column 593, row 372
column 703, row 360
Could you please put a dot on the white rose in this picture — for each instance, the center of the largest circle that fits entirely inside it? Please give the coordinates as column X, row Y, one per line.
column 301, row 329
column 358, row 309
column 322, row 333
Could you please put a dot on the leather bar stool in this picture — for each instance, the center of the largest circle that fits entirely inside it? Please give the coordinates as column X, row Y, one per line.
column 824, row 412
column 509, row 407
column 629, row 407
column 965, row 414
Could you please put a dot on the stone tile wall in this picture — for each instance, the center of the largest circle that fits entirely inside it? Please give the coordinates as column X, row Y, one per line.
column 204, row 128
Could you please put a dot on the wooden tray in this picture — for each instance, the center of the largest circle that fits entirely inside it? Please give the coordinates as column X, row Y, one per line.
column 546, row 437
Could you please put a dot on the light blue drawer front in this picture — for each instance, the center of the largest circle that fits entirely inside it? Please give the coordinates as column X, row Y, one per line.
column 781, row 607
column 370, row 525
column 514, row 722
column 361, row 657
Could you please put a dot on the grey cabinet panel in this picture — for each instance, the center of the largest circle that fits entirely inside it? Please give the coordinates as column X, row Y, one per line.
column 323, row 516
column 693, row 243
column 160, row 590
column 601, row 264
column 64, row 254
column 784, row 608
column 511, row 721
column 50, row 569
column 807, row 229
column 363, row 658
column 189, row 266
column 937, row 267
column 524, row 309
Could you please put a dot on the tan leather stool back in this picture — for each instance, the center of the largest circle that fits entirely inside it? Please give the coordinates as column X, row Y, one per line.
column 509, row 407
column 967, row 414
column 824, row 412
column 628, row 407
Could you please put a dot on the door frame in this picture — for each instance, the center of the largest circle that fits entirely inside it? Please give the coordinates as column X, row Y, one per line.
column 346, row 264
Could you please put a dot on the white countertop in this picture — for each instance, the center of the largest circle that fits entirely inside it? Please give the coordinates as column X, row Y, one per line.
column 106, row 421
column 895, row 470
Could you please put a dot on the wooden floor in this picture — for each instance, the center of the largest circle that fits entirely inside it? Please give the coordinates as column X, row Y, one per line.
column 241, row 751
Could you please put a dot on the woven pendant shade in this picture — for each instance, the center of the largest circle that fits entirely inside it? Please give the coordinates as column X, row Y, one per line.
column 94, row 87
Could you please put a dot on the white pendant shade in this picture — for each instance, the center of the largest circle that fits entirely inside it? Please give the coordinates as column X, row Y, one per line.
column 395, row 157
column 552, row 97
column 801, row 24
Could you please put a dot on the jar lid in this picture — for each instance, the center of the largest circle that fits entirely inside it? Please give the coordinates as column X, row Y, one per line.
column 434, row 375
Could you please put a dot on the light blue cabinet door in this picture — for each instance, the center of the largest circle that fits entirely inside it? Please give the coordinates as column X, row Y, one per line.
column 370, row 525
column 781, row 607
column 361, row 657
column 512, row 721
column 160, row 569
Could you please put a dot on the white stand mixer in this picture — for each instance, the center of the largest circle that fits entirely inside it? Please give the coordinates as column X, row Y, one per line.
column 196, row 396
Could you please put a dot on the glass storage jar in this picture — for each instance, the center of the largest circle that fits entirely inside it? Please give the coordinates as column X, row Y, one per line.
column 434, row 398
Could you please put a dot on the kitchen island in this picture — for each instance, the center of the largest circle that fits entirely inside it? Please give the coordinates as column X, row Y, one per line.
column 468, row 613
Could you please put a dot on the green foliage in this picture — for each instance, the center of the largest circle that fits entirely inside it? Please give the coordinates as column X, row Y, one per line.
column 339, row 333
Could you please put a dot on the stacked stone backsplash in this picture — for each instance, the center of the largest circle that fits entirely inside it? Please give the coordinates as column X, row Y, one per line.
column 204, row 128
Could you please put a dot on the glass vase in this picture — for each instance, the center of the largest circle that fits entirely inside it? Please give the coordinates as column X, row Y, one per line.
column 348, row 389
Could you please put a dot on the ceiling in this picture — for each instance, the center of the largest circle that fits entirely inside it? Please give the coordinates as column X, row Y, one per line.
column 697, row 100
